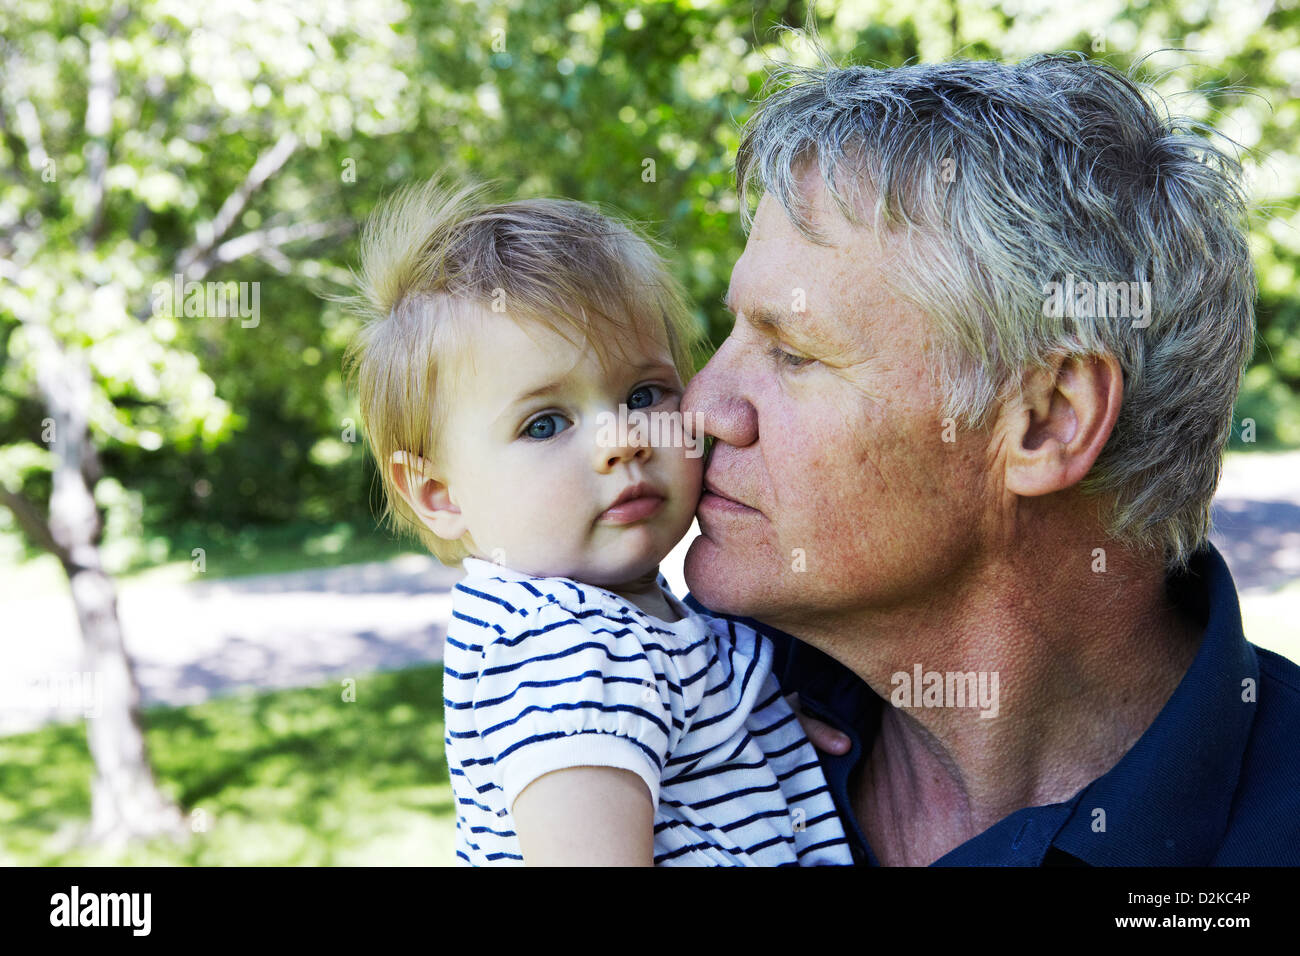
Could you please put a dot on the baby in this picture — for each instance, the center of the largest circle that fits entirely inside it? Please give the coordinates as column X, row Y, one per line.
column 520, row 378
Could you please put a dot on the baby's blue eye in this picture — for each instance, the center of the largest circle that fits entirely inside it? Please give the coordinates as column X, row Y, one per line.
column 647, row 393
column 544, row 426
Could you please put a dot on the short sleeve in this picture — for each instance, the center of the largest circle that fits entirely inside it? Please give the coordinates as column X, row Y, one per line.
column 573, row 689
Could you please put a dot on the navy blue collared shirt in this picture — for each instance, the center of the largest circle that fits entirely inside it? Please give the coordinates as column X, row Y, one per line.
column 1214, row 781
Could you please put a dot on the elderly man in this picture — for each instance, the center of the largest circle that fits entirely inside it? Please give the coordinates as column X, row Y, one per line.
column 990, row 323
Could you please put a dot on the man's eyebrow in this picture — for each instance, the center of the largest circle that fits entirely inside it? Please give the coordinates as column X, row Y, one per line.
column 765, row 318
column 770, row 320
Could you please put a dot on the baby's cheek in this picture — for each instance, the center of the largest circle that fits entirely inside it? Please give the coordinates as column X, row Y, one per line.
column 692, row 470
column 684, row 480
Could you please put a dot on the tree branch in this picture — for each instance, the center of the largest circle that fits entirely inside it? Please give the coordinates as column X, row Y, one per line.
column 15, row 145
column 10, row 270
column 29, row 127
column 266, row 243
column 28, row 138
column 99, row 123
column 38, row 530
column 213, row 231
column 277, row 236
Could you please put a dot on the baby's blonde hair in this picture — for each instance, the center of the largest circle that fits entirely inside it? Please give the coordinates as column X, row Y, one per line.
column 436, row 253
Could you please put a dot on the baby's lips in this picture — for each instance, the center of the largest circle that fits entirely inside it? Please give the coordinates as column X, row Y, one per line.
column 634, row 509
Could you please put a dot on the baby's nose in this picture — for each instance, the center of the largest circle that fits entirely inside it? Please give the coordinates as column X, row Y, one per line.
column 621, row 445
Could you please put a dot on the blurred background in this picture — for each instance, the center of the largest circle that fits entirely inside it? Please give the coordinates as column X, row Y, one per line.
column 209, row 653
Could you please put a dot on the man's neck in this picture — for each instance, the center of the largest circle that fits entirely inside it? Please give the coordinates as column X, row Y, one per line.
column 1083, row 665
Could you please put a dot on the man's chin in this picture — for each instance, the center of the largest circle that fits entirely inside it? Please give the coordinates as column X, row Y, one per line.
column 719, row 578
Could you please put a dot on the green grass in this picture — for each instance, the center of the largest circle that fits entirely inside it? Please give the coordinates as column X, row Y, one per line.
column 271, row 549
column 293, row 777
column 165, row 558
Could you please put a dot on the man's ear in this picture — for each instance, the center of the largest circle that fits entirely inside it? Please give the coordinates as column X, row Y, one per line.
column 428, row 496
column 1061, row 422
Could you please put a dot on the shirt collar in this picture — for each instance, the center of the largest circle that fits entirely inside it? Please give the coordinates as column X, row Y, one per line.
column 476, row 569
column 480, row 568
column 1167, row 801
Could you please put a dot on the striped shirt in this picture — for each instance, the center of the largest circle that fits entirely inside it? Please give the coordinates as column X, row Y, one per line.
column 546, row 673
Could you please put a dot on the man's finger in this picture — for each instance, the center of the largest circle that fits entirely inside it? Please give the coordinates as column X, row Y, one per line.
column 823, row 736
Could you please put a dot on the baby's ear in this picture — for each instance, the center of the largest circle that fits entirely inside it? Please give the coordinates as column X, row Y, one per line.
column 428, row 497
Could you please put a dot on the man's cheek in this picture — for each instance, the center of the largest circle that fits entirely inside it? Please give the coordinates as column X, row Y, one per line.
column 817, row 494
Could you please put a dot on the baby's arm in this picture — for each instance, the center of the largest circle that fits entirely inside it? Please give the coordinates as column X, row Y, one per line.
column 573, row 708
column 586, row 816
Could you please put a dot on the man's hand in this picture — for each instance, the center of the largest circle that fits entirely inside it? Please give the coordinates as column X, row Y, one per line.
column 823, row 736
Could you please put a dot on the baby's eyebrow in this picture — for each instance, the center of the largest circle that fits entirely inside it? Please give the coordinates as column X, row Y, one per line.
column 552, row 387
column 654, row 367
column 538, row 392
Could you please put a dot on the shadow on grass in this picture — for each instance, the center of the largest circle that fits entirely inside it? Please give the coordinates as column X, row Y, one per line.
column 294, row 777
column 271, row 548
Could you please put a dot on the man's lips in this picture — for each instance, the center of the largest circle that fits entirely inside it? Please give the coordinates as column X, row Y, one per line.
column 716, row 499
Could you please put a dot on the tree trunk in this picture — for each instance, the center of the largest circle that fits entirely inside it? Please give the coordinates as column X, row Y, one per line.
column 126, row 801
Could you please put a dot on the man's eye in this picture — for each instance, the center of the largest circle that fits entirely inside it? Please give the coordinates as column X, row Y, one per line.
column 544, row 426
column 644, row 396
column 787, row 358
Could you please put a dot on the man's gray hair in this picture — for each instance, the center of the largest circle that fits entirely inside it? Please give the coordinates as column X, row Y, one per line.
column 1001, row 180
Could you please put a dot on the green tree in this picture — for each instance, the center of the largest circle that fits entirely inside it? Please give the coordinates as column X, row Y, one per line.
column 141, row 143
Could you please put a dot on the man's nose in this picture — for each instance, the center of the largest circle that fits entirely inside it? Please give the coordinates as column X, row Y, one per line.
column 718, row 394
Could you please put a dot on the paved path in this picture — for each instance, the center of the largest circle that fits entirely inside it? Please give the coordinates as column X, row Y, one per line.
column 192, row 641
column 1257, row 521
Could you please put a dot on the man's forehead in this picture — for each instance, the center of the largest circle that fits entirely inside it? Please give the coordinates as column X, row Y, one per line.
column 779, row 268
